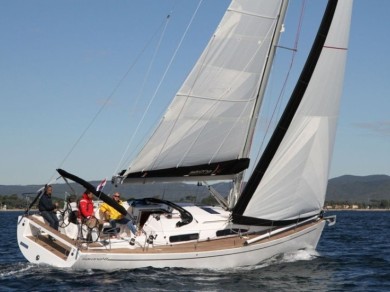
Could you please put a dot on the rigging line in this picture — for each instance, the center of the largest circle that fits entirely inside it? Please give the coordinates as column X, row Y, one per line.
column 141, row 90
column 238, row 120
column 212, row 107
column 109, row 98
column 147, row 74
column 66, row 181
column 187, row 96
column 149, row 68
column 283, row 89
column 40, row 193
column 248, row 101
column 169, row 64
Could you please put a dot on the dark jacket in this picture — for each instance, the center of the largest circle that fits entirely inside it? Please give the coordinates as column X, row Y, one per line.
column 45, row 203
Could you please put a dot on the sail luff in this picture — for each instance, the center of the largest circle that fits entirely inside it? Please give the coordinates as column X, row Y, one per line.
column 287, row 115
column 264, row 81
column 259, row 100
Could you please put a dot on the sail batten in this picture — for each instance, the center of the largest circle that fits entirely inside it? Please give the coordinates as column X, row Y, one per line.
column 214, row 98
column 252, row 14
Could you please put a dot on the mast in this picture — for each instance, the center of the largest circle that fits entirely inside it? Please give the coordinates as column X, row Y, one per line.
column 286, row 117
column 263, row 84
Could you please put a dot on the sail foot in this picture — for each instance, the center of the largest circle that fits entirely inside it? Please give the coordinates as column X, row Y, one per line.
column 212, row 171
column 245, row 220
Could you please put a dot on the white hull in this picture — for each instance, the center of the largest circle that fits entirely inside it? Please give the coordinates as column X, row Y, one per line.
column 106, row 258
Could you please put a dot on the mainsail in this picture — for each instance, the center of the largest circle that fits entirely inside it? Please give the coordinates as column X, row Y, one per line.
column 207, row 128
column 291, row 177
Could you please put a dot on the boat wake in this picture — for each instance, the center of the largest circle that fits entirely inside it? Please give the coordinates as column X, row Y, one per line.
column 291, row 257
column 300, row 255
column 15, row 269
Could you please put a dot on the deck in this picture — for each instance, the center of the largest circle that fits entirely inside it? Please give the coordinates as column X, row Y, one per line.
column 62, row 250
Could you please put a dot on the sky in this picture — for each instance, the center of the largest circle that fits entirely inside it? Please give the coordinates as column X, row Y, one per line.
column 77, row 76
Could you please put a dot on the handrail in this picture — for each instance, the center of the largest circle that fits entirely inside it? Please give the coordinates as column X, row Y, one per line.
column 279, row 230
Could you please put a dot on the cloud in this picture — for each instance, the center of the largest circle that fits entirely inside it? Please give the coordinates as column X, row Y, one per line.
column 380, row 127
column 105, row 102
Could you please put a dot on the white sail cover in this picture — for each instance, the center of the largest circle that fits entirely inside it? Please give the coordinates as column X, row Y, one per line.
column 295, row 182
column 209, row 117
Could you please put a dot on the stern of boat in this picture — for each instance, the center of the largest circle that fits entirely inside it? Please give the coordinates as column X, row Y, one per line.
column 40, row 245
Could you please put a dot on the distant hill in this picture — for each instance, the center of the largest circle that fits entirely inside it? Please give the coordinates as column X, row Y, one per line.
column 168, row 191
column 349, row 188
column 359, row 188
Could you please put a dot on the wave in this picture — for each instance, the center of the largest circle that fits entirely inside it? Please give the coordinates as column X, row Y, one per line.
column 15, row 269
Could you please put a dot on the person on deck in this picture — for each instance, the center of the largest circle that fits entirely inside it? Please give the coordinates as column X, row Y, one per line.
column 114, row 217
column 87, row 212
column 47, row 207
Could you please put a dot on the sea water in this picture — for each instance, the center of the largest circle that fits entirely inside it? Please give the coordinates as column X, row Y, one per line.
column 353, row 255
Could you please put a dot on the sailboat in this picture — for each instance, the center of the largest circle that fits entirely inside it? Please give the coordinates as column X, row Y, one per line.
column 206, row 135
